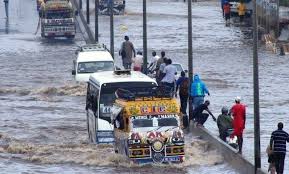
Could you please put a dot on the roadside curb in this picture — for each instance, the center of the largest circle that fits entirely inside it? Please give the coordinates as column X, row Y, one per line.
column 85, row 29
column 239, row 162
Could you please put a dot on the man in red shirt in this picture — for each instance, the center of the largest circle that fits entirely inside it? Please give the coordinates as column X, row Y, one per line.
column 239, row 114
column 227, row 12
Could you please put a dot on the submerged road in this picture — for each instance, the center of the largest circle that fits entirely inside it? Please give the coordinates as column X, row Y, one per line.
column 223, row 57
column 42, row 116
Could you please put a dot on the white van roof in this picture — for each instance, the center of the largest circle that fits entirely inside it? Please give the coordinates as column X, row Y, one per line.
column 93, row 52
column 94, row 56
column 100, row 78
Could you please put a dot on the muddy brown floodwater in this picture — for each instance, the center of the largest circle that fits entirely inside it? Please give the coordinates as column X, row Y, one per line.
column 42, row 116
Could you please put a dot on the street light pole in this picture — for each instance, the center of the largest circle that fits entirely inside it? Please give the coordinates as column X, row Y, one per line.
column 145, row 37
column 278, row 19
column 256, row 91
column 111, row 29
column 96, row 21
column 87, row 12
column 190, row 52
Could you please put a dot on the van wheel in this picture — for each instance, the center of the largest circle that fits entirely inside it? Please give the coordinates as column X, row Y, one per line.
column 116, row 150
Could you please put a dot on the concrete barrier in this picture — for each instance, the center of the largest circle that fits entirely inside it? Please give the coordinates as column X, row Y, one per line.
column 85, row 29
column 236, row 160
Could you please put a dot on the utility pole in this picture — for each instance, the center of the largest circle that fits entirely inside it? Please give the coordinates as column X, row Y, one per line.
column 278, row 20
column 256, row 91
column 145, row 37
column 80, row 4
column 87, row 12
column 96, row 21
column 190, row 52
column 111, row 28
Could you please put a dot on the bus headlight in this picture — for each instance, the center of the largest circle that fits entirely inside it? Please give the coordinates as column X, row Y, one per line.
column 157, row 146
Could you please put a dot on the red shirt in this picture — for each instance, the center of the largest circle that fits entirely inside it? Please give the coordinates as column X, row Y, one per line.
column 239, row 114
column 226, row 8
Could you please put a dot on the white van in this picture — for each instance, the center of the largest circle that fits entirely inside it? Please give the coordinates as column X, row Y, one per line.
column 101, row 96
column 90, row 59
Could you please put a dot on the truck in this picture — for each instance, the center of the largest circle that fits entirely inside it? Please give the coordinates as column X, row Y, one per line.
column 57, row 19
column 118, row 6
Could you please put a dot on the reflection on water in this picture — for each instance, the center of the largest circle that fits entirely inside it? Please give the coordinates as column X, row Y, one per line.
column 7, row 26
column 42, row 109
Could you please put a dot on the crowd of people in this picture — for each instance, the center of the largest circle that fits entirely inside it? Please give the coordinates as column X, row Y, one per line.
column 226, row 9
column 231, row 122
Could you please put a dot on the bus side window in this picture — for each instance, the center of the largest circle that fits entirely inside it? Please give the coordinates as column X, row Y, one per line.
column 95, row 100
column 119, row 122
column 88, row 102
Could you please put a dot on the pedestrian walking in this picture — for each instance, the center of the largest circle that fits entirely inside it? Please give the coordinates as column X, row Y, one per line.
column 6, row 2
column 182, row 85
column 127, row 51
column 227, row 12
column 159, row 62
column 224, row 123
column 241, row 10
column 138, row 61
column 169, row 75
column 222, row 6
column 153, row 62
column 199, row 116
column 238, row 111
column 278, row 144
column 270, row 154
column 198, row 91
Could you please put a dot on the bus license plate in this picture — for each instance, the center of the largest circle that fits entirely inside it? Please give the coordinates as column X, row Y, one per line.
column 172, row 159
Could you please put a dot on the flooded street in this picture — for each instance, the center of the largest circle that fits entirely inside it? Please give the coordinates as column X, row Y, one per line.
column 42, row 110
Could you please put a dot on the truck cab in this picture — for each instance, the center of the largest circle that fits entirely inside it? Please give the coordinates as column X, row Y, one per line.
column 148, row 125
column 91, row 58
column 57, row 19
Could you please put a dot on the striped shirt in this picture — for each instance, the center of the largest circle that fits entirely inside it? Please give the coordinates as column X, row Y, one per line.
column 279, row 137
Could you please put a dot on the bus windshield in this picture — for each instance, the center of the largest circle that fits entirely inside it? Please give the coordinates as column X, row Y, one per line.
column 107, row 94
column 154, row 124
column 59, row 14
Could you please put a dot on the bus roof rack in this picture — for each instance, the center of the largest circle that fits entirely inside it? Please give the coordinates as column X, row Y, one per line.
column 93, row 47
column 144, row 93
column 122, row 72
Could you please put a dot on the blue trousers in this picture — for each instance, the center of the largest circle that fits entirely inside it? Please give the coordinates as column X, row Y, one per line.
column 197, row 101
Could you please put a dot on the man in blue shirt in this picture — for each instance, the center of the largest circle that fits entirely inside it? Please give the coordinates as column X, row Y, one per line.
column 198, row 91
column 278, row 143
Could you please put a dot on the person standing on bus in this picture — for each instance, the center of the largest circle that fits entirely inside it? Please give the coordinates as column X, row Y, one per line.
column 241, row 10
column 169, row 75
column 138, row 61
column 127, row 51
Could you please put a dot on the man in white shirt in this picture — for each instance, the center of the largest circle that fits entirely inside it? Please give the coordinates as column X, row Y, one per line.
column 153, row 62
column 169, row 77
